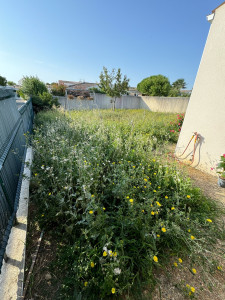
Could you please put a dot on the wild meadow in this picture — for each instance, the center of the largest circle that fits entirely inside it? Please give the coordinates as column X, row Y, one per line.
column 117, row 206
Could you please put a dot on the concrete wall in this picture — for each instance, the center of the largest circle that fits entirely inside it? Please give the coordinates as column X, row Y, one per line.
column 206, row 110
column 156, row 104
column 165, row 104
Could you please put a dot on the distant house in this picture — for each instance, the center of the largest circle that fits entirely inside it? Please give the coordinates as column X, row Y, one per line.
column 186, row 93
column 133, row 92
column 67, row 83
column 81, row 89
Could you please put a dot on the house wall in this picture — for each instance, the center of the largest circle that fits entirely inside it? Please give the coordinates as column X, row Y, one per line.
column 206, row 110
column 156, row 104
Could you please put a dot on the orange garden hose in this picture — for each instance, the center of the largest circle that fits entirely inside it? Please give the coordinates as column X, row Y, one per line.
column 197, row 139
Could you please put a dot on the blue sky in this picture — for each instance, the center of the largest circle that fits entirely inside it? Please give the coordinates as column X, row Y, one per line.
column 74, row 39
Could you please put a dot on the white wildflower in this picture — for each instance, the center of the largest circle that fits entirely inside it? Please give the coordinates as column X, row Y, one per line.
column 117, row 271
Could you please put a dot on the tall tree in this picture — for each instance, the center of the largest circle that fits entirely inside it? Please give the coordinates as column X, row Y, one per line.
column 3, row 81
column 113, row 84
column 157, row 85
column 179, row 84
column 11, row 83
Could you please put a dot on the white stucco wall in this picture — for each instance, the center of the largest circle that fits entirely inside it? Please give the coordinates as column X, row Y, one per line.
column 206, row 110
column 165, row 104
column 156, row 104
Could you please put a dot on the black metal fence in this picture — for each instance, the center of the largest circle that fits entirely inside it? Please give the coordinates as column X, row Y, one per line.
column 14, row 124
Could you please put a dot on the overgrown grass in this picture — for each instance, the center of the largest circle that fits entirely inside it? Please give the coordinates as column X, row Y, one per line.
column 118, row 210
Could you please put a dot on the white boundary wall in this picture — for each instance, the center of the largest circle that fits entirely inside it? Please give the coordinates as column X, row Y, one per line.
column 12, row 273
column 155, row 104
column 206, row 110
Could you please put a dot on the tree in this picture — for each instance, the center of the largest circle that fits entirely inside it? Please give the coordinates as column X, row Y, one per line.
column 179, row 84
column 157, row 85
column 112, row 84
column 32, row 86
column 58, row 89
column 96, row 90
column 11, row 83
column 3, row 81
column 174, row 92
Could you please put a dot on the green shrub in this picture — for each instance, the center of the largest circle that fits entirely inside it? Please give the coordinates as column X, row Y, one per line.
column 44, row 101
column 21, row 94
column 58, row 89
column 3, row 81
column 32, row 86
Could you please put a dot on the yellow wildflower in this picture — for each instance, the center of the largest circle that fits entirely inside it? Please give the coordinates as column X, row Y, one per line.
column 192, row 237
column 115, row 253
column 145, row 179
column 155, row 258
column 188, row 196
column 159, row 187
column 85, row 284
column 110, row 253
column 189, row 230
column 113, row 290
column 158, row 203
column 192, row 289
column 154, row 191
column 49, row 194
column 180, row 260
column 187, row 285
column 219, row 268
column 104, row 253
column 158, row 235
column 103, row 208
column 152, row 213
column 92, row 264
column 194, row 271
column 145, row 186
column 154, row 173
column 163, row 229
column 172, row 208
column 209, row 220
column 143, row 210
column 175, row 264
column 127, row 197
column 166, row 197
column 131, row 201
column 91, row 212
column 134, row 167
column 35, row 174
